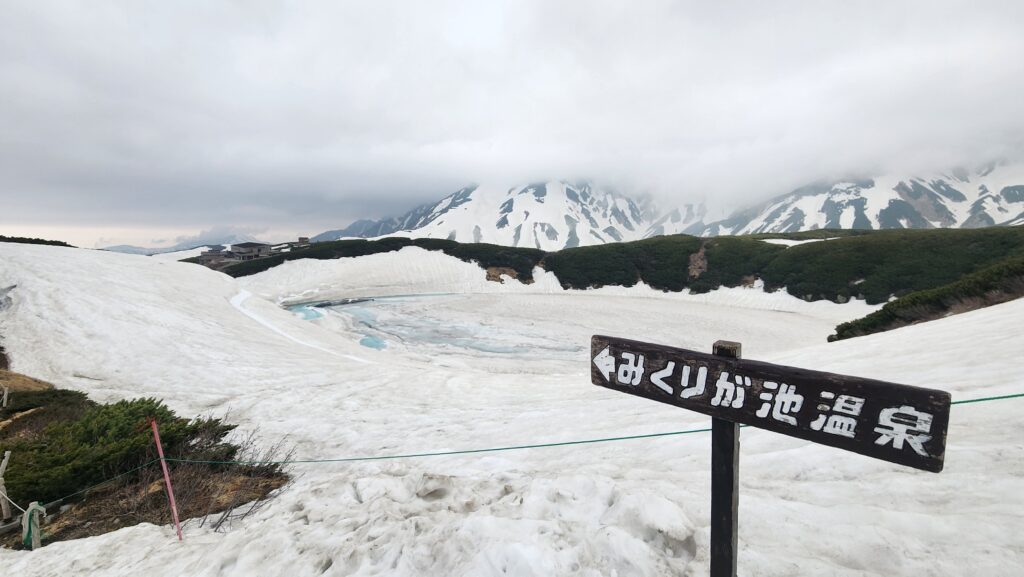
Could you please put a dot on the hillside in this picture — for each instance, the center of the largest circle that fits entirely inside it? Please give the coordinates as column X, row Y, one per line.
column 999, row 283
column 871, row 266
column 123, row 327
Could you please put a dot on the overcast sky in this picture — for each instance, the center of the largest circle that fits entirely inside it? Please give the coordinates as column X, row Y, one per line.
column 144, row 121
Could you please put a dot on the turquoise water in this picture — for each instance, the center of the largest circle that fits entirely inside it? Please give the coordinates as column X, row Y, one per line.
column 373, row 342
column 365, row 317
column 307, row 312
column 381, row 323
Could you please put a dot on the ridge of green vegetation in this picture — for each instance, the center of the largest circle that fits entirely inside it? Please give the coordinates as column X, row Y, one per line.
column 996, row 284
column 26, row 240
column 889, row 263
column 522, row 260
column 661, row 262
column 870, row 265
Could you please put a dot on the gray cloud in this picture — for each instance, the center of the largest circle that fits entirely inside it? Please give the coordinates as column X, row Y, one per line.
column 306, row 116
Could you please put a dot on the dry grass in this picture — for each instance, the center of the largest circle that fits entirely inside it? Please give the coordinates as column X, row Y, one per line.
column 204, row 496
column 17, row 382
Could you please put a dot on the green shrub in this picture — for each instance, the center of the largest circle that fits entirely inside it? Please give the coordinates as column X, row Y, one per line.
column 106, row 441
column 886, row 263
column 27, row 400
column 995, row 284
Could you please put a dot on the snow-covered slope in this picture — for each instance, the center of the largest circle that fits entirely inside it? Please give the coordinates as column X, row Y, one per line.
column 547, row 215
column 988, row 196
column 559, row 214
column 688, row 219
column 121, row 326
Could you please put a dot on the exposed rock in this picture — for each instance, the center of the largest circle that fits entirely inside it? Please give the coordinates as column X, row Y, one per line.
column 698, row 262
column 494, row 273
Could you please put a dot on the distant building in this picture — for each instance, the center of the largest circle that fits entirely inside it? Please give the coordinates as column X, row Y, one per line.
column 213, row 254
column 250, row 250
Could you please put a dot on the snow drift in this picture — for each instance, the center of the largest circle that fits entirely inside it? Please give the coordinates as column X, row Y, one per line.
column 122, row 326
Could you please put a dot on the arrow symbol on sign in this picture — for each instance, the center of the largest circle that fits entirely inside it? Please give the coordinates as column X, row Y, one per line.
column 605, row 363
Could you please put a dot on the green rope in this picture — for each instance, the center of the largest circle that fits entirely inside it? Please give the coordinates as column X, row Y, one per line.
column 442, row 453
column 114, row 478
column 459, row 452
column 999, row 398
column 510, row 448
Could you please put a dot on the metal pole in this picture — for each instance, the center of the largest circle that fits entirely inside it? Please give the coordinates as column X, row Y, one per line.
column 725, row 469
column 167, row 476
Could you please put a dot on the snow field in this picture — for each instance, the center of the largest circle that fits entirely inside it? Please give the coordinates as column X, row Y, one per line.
column 122, row 326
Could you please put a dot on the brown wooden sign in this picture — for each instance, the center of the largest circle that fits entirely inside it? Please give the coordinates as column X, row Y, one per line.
column 897, row 423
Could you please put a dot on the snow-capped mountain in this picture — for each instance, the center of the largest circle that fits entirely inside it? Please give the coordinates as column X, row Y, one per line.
column 991, row 195
column 561, row 214
column 548, row 215
column 687, row 219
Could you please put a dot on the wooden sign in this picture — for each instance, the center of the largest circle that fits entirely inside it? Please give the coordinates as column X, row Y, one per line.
column 897, row 423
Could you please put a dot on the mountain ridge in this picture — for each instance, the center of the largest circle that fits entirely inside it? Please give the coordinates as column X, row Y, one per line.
column 990, row 195
column 547, row 215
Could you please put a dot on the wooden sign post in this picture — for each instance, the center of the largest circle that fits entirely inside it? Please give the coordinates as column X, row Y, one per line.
column 896, row 423
column 725, row 483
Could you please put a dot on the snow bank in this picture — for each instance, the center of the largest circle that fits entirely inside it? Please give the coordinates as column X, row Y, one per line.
column 120, row 326
column 413, row 270
column 178, row 254
column 788, row 242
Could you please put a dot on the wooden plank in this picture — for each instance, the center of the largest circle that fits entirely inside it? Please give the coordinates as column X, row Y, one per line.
column 725, row 478
column 896, row 423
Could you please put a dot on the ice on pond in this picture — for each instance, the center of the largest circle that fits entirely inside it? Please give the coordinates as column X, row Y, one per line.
column 307, row 312
column 373, row 342
column 413, row 322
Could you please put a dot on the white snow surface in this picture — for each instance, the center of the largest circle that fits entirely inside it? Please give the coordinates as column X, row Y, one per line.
column 179, row 254
column 789, row 242
column 120, row 326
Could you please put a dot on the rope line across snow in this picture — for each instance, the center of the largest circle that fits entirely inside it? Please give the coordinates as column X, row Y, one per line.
column 458, row 452
column 513, row 447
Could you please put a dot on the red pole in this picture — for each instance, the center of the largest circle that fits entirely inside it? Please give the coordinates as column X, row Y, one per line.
column 167, row 476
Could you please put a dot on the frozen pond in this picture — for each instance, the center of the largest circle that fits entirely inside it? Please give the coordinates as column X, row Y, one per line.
column 552, row 332
column 427, row 322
